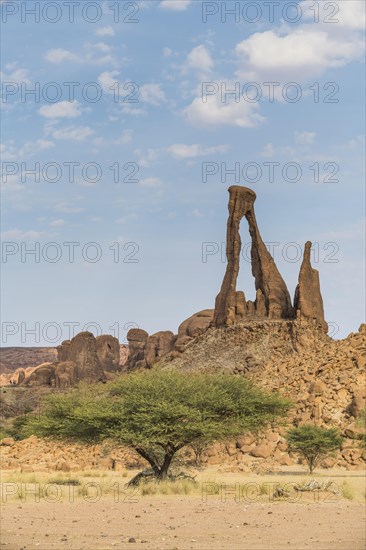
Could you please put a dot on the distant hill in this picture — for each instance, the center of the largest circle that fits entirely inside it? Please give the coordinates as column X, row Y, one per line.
column 14, row 358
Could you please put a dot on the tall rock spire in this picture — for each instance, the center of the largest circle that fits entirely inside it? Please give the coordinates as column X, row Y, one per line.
column 308, row 301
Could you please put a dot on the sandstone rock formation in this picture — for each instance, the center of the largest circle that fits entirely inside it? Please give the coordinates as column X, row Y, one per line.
column 108, row 352
column 275, row 298
column 158, row 345
column 42, row 375
column 194, row 325
column 308, row 302
column 272, row 298
column 18, row 377
column 240, row 203
column 65, row 375
column 82, row 358
column 82, row 351
column 137, row 339
column 13, row 358
column 145, row 350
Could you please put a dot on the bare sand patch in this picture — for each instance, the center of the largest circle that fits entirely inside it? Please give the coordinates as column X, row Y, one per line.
column 223, row 511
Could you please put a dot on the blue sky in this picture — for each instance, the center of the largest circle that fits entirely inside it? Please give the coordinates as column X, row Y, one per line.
column 147, row 266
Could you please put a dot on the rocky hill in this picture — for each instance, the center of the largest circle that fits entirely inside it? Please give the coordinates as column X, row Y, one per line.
column 15, row 358
column 282, row 345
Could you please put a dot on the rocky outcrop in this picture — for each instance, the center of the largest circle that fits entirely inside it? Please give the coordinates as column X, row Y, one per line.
column 272, row 297
column 158, row 345
column 13, row 358
column 241, row 201
column 193, row 326
column 274, row 300
column 65, row 375
column 137, row 339
column 308, row 301
column 18, row 377
column 82, row 351
column 108, row 352
column 82, row 358
column 42, row 375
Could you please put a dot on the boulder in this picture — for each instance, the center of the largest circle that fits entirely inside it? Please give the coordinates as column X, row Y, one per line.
column 263, row 450
column 7, row 441
column 108, row 352
column 357, row 403
column 65, row 374
column 82, row 351
column 42, row 375
column 158, row 345
column 137, row 339
column 18, row 377
column 195, row 325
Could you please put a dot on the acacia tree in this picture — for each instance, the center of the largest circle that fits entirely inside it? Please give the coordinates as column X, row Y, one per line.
column 157, row 413
column 313, row 442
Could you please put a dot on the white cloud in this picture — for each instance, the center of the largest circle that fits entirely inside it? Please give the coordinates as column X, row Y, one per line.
column 62, row 109
column 146, row 158
column 93, row 53
column 127, row 218
column 58, row 55
column 19, row 234
column 10, row 184
column 108, row 80
column 150, row 182
column 124, row 138
column 147, row 93
column 303, row 53
column 305, row 138
column 74, row 133
column 105, row 31
column 33, row 147
column 129, row 109
column 175, row 5
column 152, row 93
column 57, row 223
column 199, row 58
column 268, row 150
column 97, row 53
column 167, row 52
column 100, row 46
column 18, row 76
column 214, row 112
column 67, row 209
column 100, row 142
column 197, row 213
column 349, row 15
column 9, row 152
column 182, row 151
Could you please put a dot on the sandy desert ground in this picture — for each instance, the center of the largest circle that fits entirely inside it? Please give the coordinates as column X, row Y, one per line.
column 237, row 517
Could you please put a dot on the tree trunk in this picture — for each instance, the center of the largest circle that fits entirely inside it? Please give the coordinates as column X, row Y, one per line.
column 150, row 460
column 163, row 474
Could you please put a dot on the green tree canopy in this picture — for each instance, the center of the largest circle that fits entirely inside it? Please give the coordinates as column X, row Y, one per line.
column 313, row 442
column 158, row 412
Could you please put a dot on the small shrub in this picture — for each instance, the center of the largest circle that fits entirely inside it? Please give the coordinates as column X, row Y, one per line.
column 347, row 491
column 65, row 481
column 167, row 487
